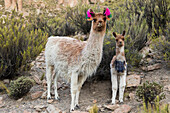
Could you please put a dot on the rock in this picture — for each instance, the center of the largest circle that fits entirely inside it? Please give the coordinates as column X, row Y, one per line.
column 36, row 95
column 111, row 107
column 25, row 111
column 6, row 81
column 155, row 66
column 44, row 82
column 1, row 100
column 36, row 79
column 132, row 96
column 39, row 107
column 79, row 112
column 44, row 95
column 144, row 52
column 133, row 80
column 51, row 109
column 19, row 100
column 50, row 101
column 123, row 109
column 152, row 67
column 167, row 88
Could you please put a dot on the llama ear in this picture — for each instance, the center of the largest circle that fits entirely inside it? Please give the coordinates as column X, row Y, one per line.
column 123, row 34
column 114, row 34
column 90, row 14
column 107, row 13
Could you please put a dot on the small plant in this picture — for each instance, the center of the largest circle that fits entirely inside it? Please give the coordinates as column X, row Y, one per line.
column 149, row 91
column 155, row 109
column 94, row 109
column 20, row 87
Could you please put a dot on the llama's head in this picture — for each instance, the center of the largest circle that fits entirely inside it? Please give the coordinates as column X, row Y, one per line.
column 99, row 19
column 119, row 39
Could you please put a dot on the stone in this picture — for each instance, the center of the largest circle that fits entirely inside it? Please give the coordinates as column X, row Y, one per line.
column 19, row 100
column 132, row 96
column 167, row 88
column 123, row 109
column 39, row 107
column 36, row 95
column 36, row 79
column 50, row 101
column 133, row 80
column 25, row 111
column 79, row 112
column 44, row 95
column 6, row 81
column 51, row 109
column 144, row 52
column 111, row 107
column 1, row 100
column 44, row 82
column 154, row 67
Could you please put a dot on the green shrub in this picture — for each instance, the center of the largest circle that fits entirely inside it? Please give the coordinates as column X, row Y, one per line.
column 157, row 108
column 149, row 91
column 19, row 44
column 20, row 87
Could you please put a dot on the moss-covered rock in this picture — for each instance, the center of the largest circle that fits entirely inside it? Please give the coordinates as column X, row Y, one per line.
column 20, row 87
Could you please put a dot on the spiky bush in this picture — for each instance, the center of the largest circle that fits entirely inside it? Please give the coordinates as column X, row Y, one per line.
column 149, row 91
column 18, row 88
column 157, row 108
column 19, row 44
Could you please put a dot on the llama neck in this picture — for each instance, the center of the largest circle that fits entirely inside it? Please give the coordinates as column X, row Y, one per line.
column 120, row 54
column 95, row 40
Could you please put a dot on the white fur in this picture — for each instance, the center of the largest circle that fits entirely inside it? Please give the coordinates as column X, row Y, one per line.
column 73, row 68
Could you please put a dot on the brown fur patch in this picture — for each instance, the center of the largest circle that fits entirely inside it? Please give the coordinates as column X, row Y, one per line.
column 112, row 61
column 71, row 49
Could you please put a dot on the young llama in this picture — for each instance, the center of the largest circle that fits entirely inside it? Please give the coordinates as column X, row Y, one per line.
column 118, row 67
column 76, row 60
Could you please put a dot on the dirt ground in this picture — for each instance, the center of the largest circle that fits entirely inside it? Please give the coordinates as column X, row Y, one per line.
column 99, row 91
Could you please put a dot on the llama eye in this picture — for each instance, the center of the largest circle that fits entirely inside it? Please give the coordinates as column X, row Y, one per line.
column 94, row 20
column 116, row 40
column 123, row 39
column 104, row 18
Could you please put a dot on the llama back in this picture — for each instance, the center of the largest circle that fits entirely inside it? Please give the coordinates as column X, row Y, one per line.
column 63, row 53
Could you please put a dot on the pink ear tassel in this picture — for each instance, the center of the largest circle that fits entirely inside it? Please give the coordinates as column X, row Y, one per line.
column 88, row 16
column 108, row 14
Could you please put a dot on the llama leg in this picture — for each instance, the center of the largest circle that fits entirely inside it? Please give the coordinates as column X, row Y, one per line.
column 114, row 84
column 81, row 80
column 55, row 87
column 48, row 77
column 74, row 80
column 122, row 86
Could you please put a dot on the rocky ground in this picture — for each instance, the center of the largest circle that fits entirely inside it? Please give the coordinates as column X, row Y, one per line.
column 96, row 92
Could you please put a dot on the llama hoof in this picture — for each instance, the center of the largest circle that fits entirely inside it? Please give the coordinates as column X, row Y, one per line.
column 57, row 98
column 71, row 110
column 77, row 107
column 48, row 98
column 120, row 102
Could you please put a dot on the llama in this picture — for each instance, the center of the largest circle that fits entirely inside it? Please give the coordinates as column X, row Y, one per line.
column 75, row 60
column 118, row 67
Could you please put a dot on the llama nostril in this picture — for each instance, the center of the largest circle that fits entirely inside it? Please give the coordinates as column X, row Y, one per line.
column 120, row 42
column 100, row 21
